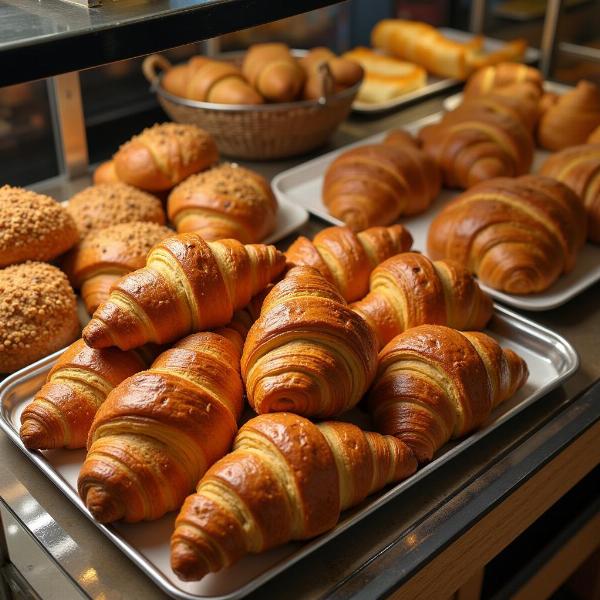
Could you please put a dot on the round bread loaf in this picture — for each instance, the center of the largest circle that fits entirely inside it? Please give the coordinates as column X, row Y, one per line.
column 107, row 204
column 38, row 314
column 33, row 227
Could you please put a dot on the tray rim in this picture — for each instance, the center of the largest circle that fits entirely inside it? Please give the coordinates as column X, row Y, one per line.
column 160, row 579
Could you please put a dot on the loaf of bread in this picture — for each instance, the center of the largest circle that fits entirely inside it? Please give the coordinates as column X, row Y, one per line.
column 227, row 201
column 33, row 227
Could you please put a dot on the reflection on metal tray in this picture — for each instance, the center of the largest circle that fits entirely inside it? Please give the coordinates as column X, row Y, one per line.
column 435, row 84
column 550, row 358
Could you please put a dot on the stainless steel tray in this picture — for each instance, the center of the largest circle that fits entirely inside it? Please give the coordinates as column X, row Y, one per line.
column 551, row 359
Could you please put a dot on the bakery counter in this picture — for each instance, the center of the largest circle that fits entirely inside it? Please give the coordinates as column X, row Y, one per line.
column 459, row 516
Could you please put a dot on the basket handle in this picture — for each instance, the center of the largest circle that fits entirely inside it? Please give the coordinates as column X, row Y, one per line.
column 326, row 84
column 151, row 66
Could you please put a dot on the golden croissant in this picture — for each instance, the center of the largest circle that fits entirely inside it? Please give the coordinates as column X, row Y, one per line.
column 160, row 430
column 308, row 352
column 409, row 290
column 286, row 479
column 435, row 383
column 187, row 285
column 345, row 258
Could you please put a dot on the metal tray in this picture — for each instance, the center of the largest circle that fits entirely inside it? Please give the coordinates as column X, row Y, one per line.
column 551, row 359
column 435, row 84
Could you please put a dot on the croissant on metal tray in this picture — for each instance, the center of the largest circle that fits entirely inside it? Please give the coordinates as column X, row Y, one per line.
column 187, row 285
column 435, row 383
column 409, row 290
column 286, row 479
column 495, row 77
column 160, row 430
column 308, row 352
column 517, row 235
column 345, row 258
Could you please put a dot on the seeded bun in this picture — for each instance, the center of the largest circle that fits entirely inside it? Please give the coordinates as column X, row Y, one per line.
column 107, row 204
column 33, row 227
column 38, row 314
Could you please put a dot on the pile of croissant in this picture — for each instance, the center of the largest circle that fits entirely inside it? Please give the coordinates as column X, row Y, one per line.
column 155, row 389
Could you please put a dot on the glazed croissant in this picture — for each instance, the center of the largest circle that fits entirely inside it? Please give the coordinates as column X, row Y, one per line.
column 409, row 290
column 286, row 479
column 187, row 285
column 495, row 77
column 579, row 168
column 517, row 235
column 345, row 258
column 227, row 201
column 435, row 383
column 475, row 145
column 375, row 184
column 307, row 353
column 61, row 413
column 160, row 430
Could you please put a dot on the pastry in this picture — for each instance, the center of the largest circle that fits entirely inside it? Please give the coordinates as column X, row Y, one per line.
column 105, row 173
column 491, row 78
column 594, row 136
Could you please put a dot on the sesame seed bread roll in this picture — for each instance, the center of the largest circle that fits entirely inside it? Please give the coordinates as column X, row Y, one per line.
column 33, row 227
column 38, row 314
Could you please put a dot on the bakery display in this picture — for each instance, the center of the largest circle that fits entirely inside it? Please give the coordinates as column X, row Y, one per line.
column 159, row 430
column 517, row 235
column 345, row 258
column 377, row 183
column 308, row 352
column 62, row 411
column 435, row 383
column 38, row 314
column 569, row 120
column 33, row 227
column 286, row 479
column 105, row 255
column 494, row 78
column 187, row 285
column 408, row 290
column 579, row 168
column 227, row 201
column 107, row 204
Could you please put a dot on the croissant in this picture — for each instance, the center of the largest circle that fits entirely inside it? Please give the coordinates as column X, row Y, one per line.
column 273, row 71
column 61, row 413
column 474, row 146
column 163, row 155
column 160, row 430
column 594, row 136
column 227, row 201
column 345, row 258
column 375, row 184
column 493, row 77
column 579, row 168
column 105, row 173
column 307, row 353
column 435, row 383
column 409, row 290
column 187, row 285
column 569, row 120
column 516, row 235
column 286, row 479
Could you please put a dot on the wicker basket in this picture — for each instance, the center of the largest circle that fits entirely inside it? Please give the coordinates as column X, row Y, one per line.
column 256, row 132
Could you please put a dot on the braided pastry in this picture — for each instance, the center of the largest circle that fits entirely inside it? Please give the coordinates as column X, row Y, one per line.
column 435, row 383
column 286, row 479
column 345, row 258
column 520, row 235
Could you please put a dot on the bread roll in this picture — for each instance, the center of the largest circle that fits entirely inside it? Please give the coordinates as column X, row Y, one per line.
column 105, row 173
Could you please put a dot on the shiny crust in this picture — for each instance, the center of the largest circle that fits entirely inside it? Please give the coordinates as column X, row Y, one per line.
column 375, row 184
column 594, row 136
column 435, row 383
column 105, row 173
column 62, row 411
column 286, row 479
column 492, row 77
column 517, row 235
column 163, row 155
column 345, row 258
column 227, row 201
column 570, row 119
column 409, row 290
column 159, row 430
column 187, row 285
column 579, row 168
column 307, row 353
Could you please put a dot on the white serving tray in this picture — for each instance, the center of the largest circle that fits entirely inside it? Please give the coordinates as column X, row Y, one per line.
column 302, row 185
column 290, row 217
